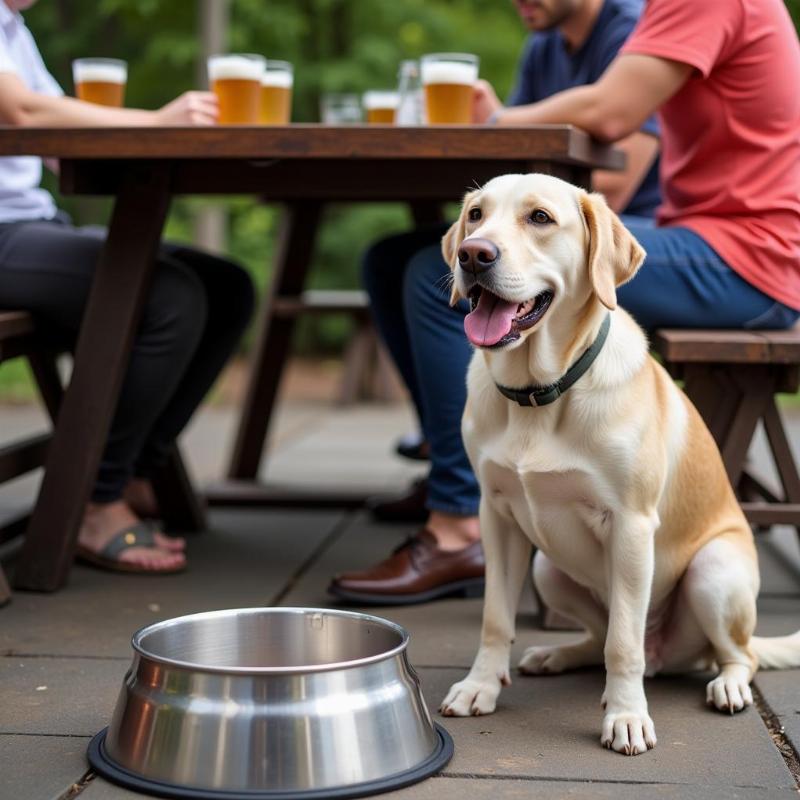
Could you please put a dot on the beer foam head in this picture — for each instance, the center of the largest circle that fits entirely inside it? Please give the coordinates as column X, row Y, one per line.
column 449, row 72
column 98, row 72
column 376, row 99
column 279, row 78
column 242, row 68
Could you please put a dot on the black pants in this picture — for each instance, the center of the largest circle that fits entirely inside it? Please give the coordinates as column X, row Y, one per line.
column 196, row 310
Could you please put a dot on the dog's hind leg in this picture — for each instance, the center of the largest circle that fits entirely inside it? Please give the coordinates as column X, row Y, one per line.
column 721, row 584
column 564, row 595
column 508, row 553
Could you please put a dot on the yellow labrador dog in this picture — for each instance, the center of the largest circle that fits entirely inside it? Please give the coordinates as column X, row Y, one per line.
column 585, row 448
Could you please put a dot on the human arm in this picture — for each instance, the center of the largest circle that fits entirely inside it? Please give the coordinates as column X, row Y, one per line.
column 23, row 107
column 641, row 150
column 614, row 107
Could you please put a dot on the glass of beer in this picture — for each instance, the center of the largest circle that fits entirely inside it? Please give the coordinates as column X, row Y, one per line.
column 381, row 107
column 276, row 93
column 236, row 81
column 447, row 79
column 100, row 80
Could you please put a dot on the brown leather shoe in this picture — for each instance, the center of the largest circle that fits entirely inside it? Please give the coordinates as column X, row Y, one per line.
column 416, row 572
column 406, row 507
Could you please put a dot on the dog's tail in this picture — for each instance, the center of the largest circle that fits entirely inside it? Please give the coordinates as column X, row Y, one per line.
column 777, row 652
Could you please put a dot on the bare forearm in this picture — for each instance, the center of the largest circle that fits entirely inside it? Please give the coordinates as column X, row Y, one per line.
column 38, row 110
column 582, row 106
column 627, row 93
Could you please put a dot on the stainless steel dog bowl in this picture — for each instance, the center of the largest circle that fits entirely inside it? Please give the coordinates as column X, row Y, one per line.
column 272, row 703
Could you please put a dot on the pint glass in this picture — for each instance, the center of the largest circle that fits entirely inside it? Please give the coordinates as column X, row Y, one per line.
column 448, row 80
column 100, row 80
column 276, row 93
column 236, row 81
column 381, row 107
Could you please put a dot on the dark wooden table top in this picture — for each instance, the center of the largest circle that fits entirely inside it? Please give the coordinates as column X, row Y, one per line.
column 562, row 143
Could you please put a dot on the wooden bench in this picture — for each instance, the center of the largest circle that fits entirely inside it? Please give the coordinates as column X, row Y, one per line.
column 733, row 378
column 19, row 337
column 368, row 373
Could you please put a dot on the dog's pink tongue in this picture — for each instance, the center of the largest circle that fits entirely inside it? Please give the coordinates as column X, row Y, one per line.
column 490, row 321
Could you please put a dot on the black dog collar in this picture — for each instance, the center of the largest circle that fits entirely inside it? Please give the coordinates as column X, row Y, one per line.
column 544, row 395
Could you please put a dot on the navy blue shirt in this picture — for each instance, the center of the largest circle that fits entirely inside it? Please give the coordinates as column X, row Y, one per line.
column 547, row 67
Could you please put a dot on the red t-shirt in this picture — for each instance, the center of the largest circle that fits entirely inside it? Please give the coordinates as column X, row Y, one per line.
column 730, row 138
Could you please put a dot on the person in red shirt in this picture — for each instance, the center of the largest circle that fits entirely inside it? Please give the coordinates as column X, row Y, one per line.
column 725, row 251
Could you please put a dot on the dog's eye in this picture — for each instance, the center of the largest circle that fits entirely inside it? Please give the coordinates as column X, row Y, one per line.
column 541, row 217
column 474, row 214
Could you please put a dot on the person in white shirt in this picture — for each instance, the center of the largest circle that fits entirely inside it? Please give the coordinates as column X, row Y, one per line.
column 195, row 313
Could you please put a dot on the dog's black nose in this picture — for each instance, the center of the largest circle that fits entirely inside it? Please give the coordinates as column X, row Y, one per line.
column 477, row 255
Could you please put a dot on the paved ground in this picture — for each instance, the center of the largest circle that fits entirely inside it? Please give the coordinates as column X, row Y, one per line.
column 62, row 657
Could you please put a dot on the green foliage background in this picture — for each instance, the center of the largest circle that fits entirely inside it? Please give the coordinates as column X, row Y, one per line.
column 335, row 45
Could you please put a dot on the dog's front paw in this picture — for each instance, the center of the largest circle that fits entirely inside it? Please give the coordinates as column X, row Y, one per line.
column 630, row 733
column 470, row 698
column 730, row 691
column 543, row 661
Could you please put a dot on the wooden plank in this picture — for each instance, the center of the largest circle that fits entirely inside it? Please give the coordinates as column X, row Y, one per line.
column 16, row 323
column 282, row 180
column 711, row 346
column 20, row 457
column 784, row 346
column 772, row 514
column 552, row 142
column 322, row 302
column 107, row 332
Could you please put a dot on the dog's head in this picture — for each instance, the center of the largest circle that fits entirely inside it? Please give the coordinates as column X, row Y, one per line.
column 526, row 247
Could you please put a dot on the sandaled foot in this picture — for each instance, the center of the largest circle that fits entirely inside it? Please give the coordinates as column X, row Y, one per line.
column 112, row 537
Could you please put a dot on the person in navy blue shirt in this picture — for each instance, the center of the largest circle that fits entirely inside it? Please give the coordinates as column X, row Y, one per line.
column 559, row 57
column 572, row 43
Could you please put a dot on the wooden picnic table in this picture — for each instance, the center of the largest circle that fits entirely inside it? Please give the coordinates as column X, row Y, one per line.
column 301, row 166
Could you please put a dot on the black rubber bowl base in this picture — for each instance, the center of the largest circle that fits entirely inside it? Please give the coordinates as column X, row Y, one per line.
column 103, row 765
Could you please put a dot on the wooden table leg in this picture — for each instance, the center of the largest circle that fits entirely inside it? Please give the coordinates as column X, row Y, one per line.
column 112, row 315
column 292, row 261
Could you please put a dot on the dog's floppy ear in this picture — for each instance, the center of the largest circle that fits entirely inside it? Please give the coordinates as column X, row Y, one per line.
column 614, row 255
column 451, row 241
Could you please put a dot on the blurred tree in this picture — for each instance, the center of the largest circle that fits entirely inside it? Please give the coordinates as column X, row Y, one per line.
column 350, row 45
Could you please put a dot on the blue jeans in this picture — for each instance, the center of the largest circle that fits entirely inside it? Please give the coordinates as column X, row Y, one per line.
column 407, row 282
column 683, row 283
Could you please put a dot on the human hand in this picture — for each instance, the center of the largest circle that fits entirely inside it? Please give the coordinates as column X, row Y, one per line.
column 190, row 108
column 484, row 102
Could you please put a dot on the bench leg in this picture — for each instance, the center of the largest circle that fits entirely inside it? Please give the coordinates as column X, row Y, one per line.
column 45, row 371
column 181, row 508
column 5, row 589
column 782, row 454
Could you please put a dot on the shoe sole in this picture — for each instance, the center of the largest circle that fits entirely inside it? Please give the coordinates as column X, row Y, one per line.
column 469, row 588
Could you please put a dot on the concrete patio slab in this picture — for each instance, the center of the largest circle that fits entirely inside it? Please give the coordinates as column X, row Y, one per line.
column 40, row 767
column 59, row 696
column 245, row 560
column 446, row 788
column 781, row 691
column 549, row 728
column 444, row 633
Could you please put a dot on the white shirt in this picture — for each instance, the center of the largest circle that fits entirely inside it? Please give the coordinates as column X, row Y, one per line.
column 20, row 195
